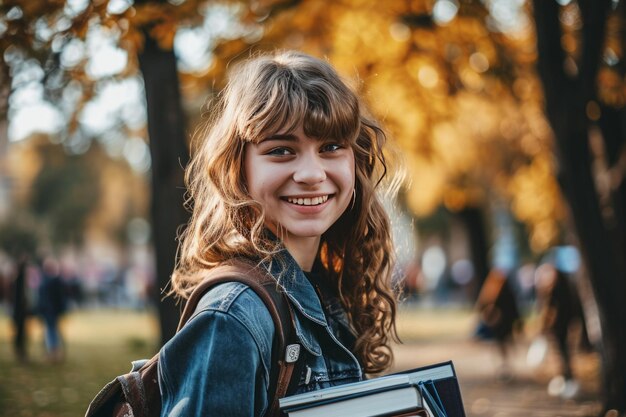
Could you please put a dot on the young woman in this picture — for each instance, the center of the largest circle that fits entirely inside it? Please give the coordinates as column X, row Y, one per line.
column 286, row 174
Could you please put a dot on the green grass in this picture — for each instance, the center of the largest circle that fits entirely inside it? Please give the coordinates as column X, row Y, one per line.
column 99, row 345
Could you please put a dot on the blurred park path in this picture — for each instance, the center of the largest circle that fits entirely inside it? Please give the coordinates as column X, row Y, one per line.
column 446, row 335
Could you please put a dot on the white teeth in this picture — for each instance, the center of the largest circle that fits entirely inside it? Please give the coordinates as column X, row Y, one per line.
column 314, row 201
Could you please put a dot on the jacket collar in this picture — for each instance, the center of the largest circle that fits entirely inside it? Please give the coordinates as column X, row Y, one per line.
column 301, row 294
column 297, row 286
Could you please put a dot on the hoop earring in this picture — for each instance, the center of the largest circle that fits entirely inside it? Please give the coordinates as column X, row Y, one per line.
column 353, row 198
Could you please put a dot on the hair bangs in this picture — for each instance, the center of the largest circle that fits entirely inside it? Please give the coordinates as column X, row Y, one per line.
column 281, row 107
column 331, row 115
column 325, row 108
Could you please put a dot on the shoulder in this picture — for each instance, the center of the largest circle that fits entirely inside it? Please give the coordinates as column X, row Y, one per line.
column 227, row 340
column 241, row 303
column 230, row 315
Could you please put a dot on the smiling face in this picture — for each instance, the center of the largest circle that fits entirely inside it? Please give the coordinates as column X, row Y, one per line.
column 304, row 184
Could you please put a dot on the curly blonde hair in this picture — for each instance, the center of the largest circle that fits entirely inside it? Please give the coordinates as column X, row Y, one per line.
column 280, row 92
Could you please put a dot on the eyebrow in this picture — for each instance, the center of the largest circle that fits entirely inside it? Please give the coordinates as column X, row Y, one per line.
column 281, row 136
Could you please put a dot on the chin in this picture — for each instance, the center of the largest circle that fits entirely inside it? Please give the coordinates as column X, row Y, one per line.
column 308, row 232
column 304, row 234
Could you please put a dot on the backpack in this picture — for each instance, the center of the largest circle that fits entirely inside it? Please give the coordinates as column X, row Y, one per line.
column 136, row 394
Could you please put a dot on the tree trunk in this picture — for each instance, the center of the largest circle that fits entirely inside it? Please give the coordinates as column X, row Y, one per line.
column 472, row 218
column 170, row 155
column 566, row 98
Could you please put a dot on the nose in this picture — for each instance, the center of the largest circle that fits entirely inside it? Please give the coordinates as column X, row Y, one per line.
column 309, row 170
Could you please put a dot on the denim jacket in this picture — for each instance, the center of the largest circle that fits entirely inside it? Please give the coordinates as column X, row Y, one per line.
column 219, row 363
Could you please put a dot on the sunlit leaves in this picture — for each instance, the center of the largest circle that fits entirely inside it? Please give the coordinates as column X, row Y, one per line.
column 535, row 200
column 611, row 88
column 428, row 183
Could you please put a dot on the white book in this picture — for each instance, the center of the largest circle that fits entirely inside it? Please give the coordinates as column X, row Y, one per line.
column 360, row 389
column 397, row 401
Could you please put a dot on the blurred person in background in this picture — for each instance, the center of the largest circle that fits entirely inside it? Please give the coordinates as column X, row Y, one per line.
column 560, row 309
column 499, row 316
column 51, row 304
column 74, row 291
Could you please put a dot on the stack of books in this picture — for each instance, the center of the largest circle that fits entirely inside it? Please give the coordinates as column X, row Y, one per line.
column 430, row 391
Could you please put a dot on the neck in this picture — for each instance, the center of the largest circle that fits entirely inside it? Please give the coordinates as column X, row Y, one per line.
column 303, row 250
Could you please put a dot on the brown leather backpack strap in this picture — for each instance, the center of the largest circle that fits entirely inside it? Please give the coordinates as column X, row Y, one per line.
column 134, row 391
column 286, row 350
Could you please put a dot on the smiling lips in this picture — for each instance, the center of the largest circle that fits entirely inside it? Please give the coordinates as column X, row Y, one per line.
column 308, row 201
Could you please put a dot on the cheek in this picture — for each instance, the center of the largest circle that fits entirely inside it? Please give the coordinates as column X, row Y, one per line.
column 351, row 172
column 261, row 179
column 346, row 180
